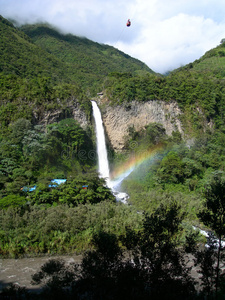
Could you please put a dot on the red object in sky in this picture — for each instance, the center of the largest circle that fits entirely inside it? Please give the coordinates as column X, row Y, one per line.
column 128, row 23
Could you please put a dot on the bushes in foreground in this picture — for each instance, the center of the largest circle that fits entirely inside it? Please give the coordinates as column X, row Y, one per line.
column 38, row 230
column 149, row 263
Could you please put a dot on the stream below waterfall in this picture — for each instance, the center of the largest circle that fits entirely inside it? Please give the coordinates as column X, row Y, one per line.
column 19, row 271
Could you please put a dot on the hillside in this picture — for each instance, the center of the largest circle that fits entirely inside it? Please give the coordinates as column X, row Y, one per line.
column 30, row 78
column 20, row 58
column 60, row 58
column 87, row 61
column 211, row 63
column 37, row 70
column 198, row 89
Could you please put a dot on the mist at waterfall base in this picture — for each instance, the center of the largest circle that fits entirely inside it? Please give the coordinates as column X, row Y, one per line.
column 115, row 178
column 137, row 159
column 137, row 165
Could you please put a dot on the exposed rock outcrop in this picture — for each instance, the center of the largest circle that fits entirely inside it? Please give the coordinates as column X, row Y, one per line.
column 72, row 110
column 118, row 119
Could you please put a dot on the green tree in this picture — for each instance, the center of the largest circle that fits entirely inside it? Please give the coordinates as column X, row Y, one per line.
column 57, row 277
column 213, row 214
column 72, row 136
column 205, row 260
column 34, row 145
column 171, row 169
column 19, row 129
column 155, row 133
column 159, row 254
column 12, row 201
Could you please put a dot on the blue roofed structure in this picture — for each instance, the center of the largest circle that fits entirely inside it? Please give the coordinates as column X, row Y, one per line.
column 54, row 183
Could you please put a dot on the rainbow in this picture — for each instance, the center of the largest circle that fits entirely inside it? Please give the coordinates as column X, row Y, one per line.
column 124, row 170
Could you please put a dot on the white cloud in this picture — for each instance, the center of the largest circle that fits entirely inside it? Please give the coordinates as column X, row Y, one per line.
column 174, row 42
column 171, row 38
column 165, row 34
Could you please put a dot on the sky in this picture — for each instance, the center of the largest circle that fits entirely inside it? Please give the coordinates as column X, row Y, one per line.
column 164, row 34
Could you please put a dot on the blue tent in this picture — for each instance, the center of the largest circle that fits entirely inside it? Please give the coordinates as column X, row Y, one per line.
column 55, row 183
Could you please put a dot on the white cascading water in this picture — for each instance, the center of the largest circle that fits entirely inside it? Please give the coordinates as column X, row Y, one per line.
column 103, row 163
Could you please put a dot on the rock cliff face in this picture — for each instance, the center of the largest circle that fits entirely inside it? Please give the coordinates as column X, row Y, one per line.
column 118, row 119
column 72, row 110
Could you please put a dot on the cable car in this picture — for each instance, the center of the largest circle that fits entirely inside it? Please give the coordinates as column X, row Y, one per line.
column 128, row 23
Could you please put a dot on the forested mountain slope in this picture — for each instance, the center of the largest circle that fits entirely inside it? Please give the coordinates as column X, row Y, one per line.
column 22, row 58
column 37, row 70
column 31, row 79
column 59, row 58
column 86, row 61
column 211, row 63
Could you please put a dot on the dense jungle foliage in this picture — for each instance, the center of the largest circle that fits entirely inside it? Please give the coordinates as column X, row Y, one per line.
column 32, row 153
column 149, row 262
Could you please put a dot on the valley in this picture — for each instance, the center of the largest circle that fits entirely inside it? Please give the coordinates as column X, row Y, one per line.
column 163, row 144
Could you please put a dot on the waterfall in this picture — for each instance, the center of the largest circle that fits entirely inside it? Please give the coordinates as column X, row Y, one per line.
column 103, row 164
